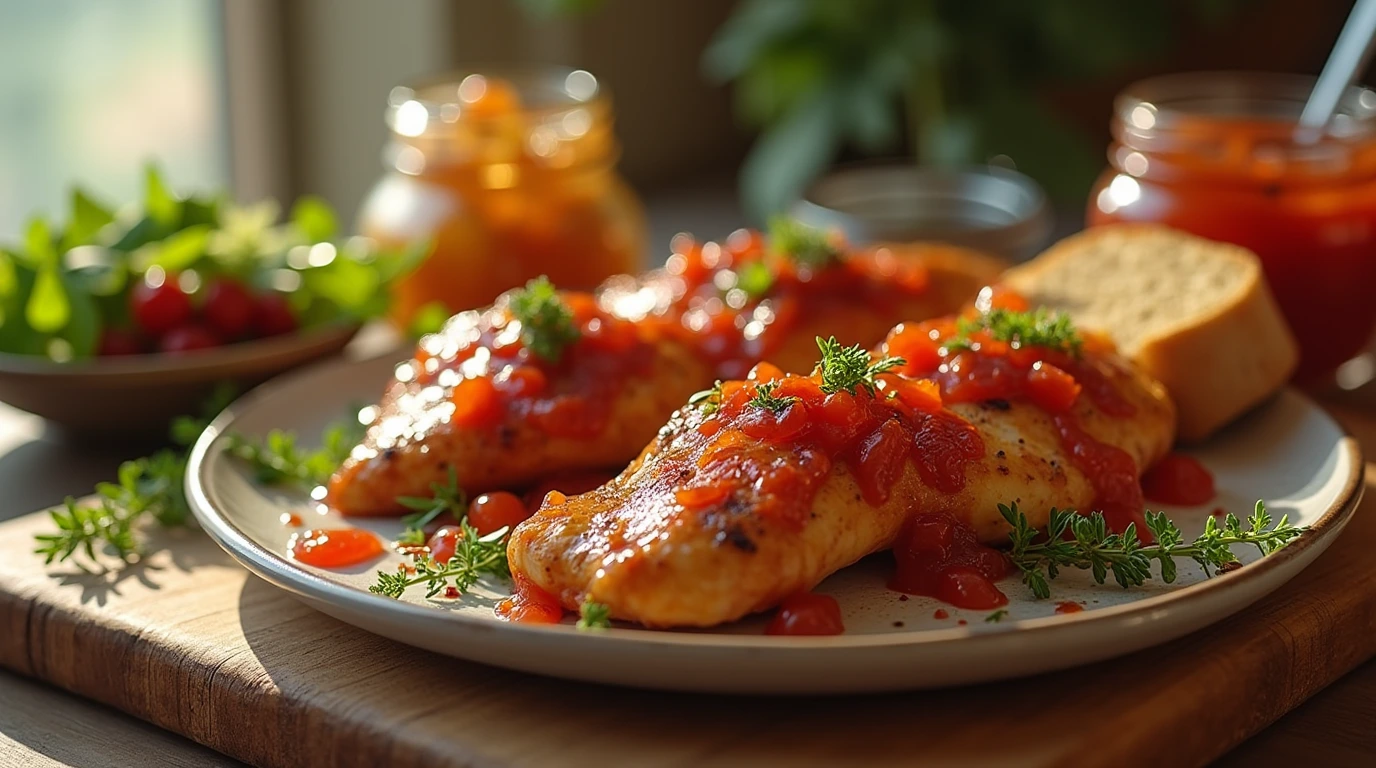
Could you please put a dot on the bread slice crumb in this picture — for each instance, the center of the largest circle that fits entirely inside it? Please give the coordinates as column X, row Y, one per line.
column 1195, row 314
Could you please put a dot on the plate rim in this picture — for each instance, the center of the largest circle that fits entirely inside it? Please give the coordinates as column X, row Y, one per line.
column 281, row 571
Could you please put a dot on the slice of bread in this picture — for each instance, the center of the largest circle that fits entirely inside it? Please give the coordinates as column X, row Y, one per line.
column 1194, row 313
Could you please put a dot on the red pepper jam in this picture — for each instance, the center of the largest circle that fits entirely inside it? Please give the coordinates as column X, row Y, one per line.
column 529, row 604
column 986, row 369
column 939, row 556
column 484, row 369
column 1067, row 606
column 732, row 305
column 782, row 455
column 334, row 548
column 807, row 613
column 1178, row 479
column 738, row 303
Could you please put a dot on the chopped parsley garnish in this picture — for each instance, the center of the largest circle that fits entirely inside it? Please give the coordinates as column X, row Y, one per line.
column 278, row 460
column 1036, row 328
column 1091, row 547
column 593, row 615
column 803, row 245
column 766, row 399
column 547, row 325
column 473, row 556
column 850, row 368
column 445, row 497
column 996, row 616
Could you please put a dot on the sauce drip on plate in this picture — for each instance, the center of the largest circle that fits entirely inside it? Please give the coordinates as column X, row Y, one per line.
column 1178, row 479
column 334, row 547
column 807, row 613
column 529, row 604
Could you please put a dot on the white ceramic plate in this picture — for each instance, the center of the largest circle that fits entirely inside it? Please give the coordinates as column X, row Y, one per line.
column 1288, row 453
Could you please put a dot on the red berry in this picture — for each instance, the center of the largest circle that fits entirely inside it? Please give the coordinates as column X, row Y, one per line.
column 119, row 341
column 188, row 338
column 273, row 316
column 228, row 308
column 158, row 309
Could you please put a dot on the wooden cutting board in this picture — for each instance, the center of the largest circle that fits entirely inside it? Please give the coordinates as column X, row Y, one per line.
column 189, row 641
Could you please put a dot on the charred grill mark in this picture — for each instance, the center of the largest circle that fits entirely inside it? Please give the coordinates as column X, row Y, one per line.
column 996, row 404
column 738, row 538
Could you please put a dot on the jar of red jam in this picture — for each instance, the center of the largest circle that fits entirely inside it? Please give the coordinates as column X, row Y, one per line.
column 511, row 175
column 1217, row 154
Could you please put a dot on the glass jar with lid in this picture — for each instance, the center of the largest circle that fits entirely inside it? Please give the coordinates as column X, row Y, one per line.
column 511, row 175
column 1218, row 155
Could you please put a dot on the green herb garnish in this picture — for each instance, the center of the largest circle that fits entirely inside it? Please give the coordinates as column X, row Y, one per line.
column 803, row 245
column 594, row 616
column 996, row 616
column 850, row 368
column 1091, row 547
column 446, row 497
column 1036, row 328
column 766, row 399
column 708, row 400
column 146, row 488
column 473, row 557
column 547, row 325
column 277, row 460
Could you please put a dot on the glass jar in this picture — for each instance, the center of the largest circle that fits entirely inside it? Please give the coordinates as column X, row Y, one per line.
column 512, row 175
column 1217, row 154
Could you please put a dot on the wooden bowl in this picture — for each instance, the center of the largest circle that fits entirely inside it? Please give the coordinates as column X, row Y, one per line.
column 139, row 395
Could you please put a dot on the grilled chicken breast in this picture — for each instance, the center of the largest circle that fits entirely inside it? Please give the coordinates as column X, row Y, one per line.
column 636, row 546
column 600, row 403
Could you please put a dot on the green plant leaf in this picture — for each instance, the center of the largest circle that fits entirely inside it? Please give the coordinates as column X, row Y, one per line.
column 144, row 231
column 38, row 243
column 742, row 40
column 348, row 284
column 88, row 218
column 314, row 219
column 430, row 318
column 178, row 251
column 82, row 329
column 789, row 155
column 48, row 308
column 9, row 280
column 158, row 201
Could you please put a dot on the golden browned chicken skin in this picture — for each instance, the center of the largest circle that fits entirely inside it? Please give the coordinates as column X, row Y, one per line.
column 597, row 407
column 710, row 524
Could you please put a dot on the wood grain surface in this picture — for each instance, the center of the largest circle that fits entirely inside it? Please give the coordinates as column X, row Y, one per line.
column 189, row 641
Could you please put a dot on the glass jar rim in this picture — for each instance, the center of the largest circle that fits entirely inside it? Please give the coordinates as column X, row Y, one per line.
column 1158, row 105
column 545, row 91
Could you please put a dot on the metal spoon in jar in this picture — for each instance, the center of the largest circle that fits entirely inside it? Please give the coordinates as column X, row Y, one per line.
column 1348, row 58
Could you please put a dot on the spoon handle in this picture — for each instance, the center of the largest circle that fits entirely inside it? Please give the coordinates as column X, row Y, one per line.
column 1349, row 56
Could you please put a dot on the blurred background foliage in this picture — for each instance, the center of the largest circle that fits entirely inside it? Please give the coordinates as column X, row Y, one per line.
column 950, row 82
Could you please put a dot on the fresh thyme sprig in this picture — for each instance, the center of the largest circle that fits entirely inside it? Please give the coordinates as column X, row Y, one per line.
column 766, row 399
column 473, row 556
column 708, row 400
column 547, row 325
column 446, row 497
column 593, row 616
column 1036, row 328
column 1091, row 547
column 800, row 243
column 278, row 460
column 996, row 616
column 150, row 487
column 850, row 368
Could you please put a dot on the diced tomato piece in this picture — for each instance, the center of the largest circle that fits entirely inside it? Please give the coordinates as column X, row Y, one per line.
column 807, row 613
column 764, row 372
column 443, row 542
column 702, row 496
column 523, row 381
column 493, row 511
column 1051, row 388
column 763, row 424
column 879, row 461
column 477, row 403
